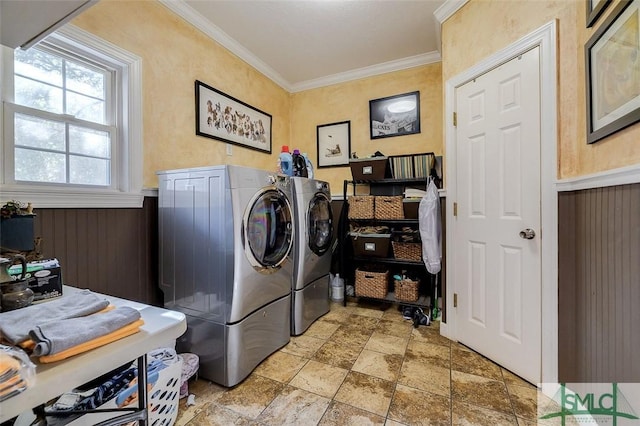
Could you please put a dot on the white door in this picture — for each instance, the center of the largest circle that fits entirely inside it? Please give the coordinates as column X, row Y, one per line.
column 498, row 187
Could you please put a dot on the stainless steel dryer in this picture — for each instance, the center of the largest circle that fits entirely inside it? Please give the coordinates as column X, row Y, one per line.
column 226, row 239
column 312, row 252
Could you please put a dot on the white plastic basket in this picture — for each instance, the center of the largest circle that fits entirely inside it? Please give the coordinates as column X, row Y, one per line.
column 163, row 397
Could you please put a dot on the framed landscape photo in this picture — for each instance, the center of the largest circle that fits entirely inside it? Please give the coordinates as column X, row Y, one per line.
column 613, row 72
column 595, row 9
column 334, row 144
column 395, row 115
column 220, row 116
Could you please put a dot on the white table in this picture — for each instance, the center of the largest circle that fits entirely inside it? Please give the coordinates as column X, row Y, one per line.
column 161, row 327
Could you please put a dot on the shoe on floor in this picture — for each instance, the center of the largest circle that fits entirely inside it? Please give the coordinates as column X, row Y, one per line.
column 420, row 318
column 407, row 312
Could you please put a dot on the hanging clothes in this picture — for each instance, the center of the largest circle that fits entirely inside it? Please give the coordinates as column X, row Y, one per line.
column 430, row 225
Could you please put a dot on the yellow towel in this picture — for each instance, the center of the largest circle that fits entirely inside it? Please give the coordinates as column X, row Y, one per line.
column 12, row 380
column 125, row 331
column 29, row 344
column 19, row 386
column 8, row 364
column 10, row 383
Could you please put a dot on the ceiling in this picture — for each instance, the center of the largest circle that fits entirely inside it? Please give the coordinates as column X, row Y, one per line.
column 302, row 44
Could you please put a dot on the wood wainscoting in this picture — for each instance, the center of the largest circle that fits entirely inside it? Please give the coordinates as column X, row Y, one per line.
column 111, row 251
column 599, row 284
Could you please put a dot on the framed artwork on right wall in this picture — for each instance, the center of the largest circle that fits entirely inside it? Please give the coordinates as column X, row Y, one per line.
column 594, row 10
column 612, row 57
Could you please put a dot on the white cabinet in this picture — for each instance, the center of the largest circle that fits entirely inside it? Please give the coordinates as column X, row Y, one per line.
column 23, row 23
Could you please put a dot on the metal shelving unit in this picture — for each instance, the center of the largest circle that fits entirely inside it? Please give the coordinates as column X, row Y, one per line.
column 349, row 265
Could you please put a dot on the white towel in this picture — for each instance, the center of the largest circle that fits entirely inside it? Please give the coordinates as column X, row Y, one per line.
column 414, row 193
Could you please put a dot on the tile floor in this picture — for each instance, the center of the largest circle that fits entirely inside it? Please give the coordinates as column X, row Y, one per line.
column 364, row 364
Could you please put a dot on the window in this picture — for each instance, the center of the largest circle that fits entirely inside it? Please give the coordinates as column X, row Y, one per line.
column 64, row 131
column 72, row 123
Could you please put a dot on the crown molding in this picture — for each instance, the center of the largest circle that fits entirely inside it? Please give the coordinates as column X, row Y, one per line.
column 444, row 12
column 383, row 68
column 186, row 12
column 447, row 9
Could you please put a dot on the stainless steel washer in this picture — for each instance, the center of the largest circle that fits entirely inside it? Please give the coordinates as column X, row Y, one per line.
column 226, row 247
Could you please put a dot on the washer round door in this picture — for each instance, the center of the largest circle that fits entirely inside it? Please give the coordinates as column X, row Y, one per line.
column 268, row 230
column 320, row 224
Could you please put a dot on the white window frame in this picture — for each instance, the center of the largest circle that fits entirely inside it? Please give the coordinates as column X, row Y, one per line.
column 126, row 190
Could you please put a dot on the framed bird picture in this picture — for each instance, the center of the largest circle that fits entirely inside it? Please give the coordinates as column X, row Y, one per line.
column 334, row 144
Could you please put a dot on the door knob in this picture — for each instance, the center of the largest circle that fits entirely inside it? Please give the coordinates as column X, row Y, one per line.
column 527, row 234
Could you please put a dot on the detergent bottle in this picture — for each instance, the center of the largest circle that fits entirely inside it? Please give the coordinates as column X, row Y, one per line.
column 286, row 161
column 309, row 165
column 299, row 165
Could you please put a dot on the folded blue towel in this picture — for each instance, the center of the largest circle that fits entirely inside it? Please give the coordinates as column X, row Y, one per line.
column 15, row 325
column 54, row 337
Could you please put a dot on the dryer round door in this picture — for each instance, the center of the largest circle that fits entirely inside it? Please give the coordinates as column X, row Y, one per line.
column 268, row 230
column 320, row 224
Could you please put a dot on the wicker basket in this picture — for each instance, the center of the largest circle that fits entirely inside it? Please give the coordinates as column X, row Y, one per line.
column 407, row 251
column 389, row 207
column 372, row 284
column 406, row 290
column 361, row 206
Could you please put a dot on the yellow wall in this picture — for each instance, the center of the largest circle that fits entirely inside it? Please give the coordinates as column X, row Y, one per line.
column 482, row 27
column 350, row 101
column 175, row 54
